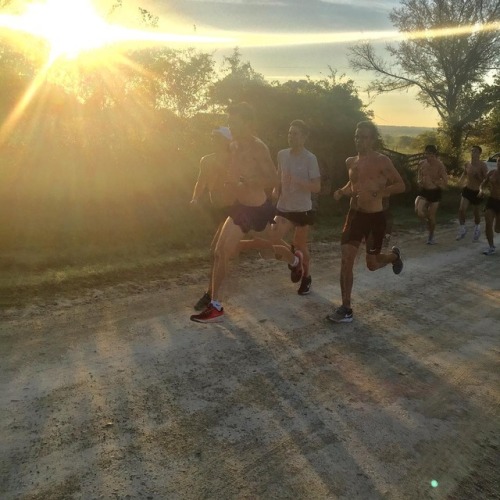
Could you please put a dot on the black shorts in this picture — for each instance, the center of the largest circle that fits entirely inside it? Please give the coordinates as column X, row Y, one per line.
column 471, row 195
column 299, row 218
column 431, row 195
column 361, row 226
column 253, row 218
column 493, row 204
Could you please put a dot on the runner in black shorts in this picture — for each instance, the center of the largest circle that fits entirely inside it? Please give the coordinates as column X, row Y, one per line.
column 299, row 178
column 475, row 172
column 492, row 208
column 369, row 227
column 432, row 178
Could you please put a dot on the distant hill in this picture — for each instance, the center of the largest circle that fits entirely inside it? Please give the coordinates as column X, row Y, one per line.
column 396, row 131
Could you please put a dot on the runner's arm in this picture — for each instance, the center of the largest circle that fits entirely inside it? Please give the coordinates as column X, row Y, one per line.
column 201, row 182
column 395, row 183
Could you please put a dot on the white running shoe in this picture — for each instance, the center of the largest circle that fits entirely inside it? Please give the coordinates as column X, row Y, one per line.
column 462, row 231
column 489, row 251
column 477, row 233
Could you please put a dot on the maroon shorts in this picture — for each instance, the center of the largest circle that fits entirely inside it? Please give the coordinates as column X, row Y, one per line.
column 253, row 218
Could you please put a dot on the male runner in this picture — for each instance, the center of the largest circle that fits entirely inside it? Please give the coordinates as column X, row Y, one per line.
column 372, row 177
column 252, row 173
column 211, row 177
column 432, row 178
column 492, row 208
column 300, row 176
column 475, row 171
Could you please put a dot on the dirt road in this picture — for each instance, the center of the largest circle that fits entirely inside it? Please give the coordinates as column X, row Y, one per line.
column 119, row 395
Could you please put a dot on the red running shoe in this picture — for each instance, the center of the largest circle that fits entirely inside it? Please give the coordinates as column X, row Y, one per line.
column 210, row 315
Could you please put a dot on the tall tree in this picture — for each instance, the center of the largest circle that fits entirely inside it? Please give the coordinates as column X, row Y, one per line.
column 450, row 69
column 238, row 80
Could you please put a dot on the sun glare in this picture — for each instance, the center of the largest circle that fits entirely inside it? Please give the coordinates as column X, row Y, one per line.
column 72, row 27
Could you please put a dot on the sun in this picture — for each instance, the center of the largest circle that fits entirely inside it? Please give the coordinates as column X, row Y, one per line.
column 70, row 27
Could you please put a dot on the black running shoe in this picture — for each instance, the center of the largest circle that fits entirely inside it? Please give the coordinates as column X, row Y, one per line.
column 305, row 286
column 203, row 302
column 341, row 315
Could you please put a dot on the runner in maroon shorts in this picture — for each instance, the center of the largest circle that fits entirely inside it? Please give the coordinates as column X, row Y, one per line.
column 372, row 177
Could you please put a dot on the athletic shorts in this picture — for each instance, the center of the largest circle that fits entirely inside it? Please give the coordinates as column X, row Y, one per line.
column 471, row 195
column 219, row 214
column 253, row 218
column 493, row 204
column 431, row 195
column 299, row 218
column 361, row 226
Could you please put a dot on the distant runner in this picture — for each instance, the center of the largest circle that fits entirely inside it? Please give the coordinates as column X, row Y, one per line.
column 432, row 179
column 475, row 172
column 492, row 208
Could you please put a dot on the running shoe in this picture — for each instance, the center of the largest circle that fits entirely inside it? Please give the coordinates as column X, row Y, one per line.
column 462, row 231
column 397, row 265
column 477, row 233
column 203, row 302
column 296, row 271
column 341, row 315
column 431, row 241
column 305, row 286
column 489, row 251
column 210, row 315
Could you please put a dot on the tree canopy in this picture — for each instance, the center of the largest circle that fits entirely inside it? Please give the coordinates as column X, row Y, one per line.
column 451, row 56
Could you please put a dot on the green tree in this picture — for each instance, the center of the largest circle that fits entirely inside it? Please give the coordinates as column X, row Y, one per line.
column 451, row 71
column 428, row 137
column 179, row 80
column 239, row 80
column 330, row 106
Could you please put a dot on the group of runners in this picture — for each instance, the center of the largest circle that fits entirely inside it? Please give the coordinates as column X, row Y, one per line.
column 432, row 179
column 257, row 206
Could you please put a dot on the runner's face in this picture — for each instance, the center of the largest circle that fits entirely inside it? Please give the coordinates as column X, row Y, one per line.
column 296, row 138
column 363, row 140
column 474, row 154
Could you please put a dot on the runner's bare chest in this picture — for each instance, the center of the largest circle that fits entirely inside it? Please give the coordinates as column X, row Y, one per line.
column 366, row 173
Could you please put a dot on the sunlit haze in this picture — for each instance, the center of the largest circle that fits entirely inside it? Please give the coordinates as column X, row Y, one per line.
column 75, row 27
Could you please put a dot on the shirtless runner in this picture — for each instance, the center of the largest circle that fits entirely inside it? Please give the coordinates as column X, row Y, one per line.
column 492, row 208
column 372, row 177
column 475, row 172
column 252, row 175
column 432, row 179
column 211, row 178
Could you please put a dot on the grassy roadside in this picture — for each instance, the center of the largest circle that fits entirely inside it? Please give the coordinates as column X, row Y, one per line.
column 41, row 272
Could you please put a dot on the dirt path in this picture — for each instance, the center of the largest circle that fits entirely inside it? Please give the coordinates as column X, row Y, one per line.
column 119, row 395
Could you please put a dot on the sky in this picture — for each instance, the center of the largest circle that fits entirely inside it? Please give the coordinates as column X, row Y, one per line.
column 296, row 59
